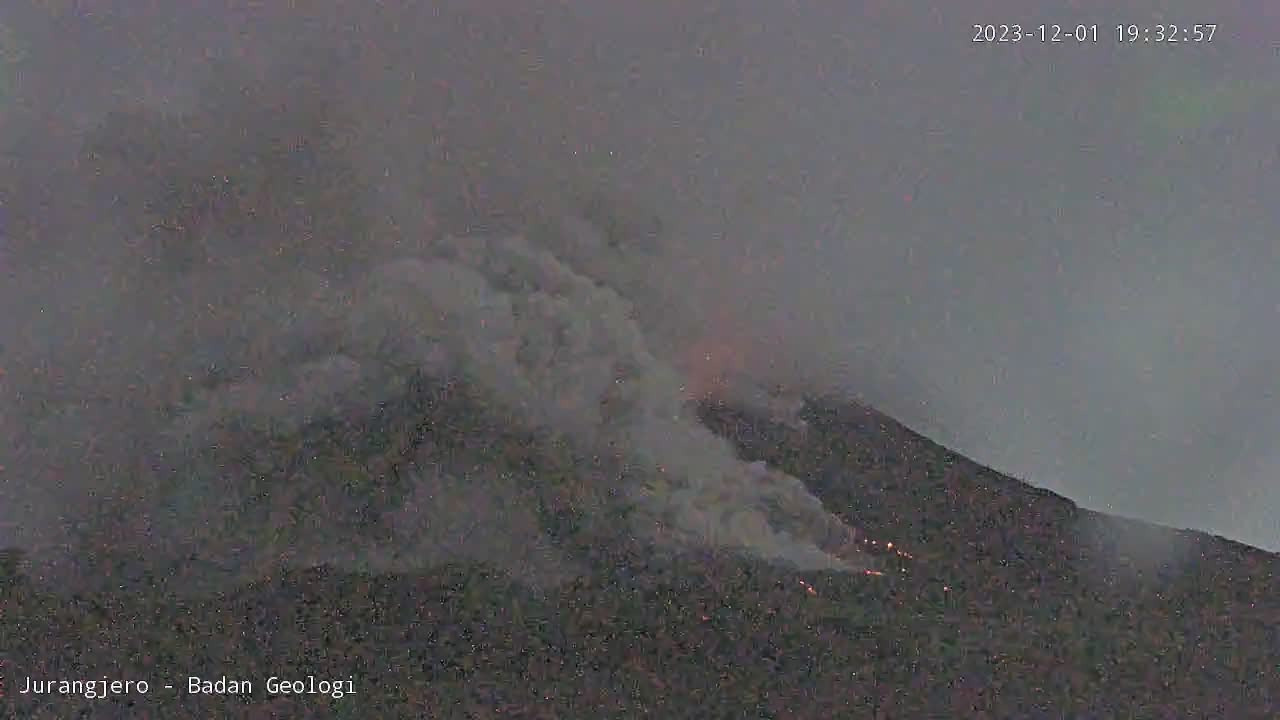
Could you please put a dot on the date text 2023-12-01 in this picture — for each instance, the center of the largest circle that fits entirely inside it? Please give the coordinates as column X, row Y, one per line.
column 1165, row 33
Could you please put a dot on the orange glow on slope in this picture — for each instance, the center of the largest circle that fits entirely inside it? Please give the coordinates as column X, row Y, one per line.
column 719, row 352
column 708, row 363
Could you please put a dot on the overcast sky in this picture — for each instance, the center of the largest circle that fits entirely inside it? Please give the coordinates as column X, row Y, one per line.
column 1060, row 259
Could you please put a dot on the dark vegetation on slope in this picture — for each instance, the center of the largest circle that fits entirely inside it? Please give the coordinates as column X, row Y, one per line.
column 1005, row 610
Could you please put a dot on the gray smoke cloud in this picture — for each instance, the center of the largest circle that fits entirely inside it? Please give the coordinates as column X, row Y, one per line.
column 1059, row 277
column 229, row 296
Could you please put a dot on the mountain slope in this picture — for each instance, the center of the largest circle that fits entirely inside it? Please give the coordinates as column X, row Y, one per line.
column 1010, row 602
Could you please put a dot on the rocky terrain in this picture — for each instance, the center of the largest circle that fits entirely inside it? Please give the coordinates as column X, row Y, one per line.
column 996, row 600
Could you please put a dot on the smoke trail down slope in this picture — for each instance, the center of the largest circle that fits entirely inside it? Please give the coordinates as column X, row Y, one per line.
column 563, row 354
column 558, row 352
column 563, row 351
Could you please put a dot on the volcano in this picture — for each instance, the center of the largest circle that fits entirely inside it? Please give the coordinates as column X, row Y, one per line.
column 268, row 424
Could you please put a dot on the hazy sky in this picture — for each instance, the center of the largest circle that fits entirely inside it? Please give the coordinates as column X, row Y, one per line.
column 1060, row 259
